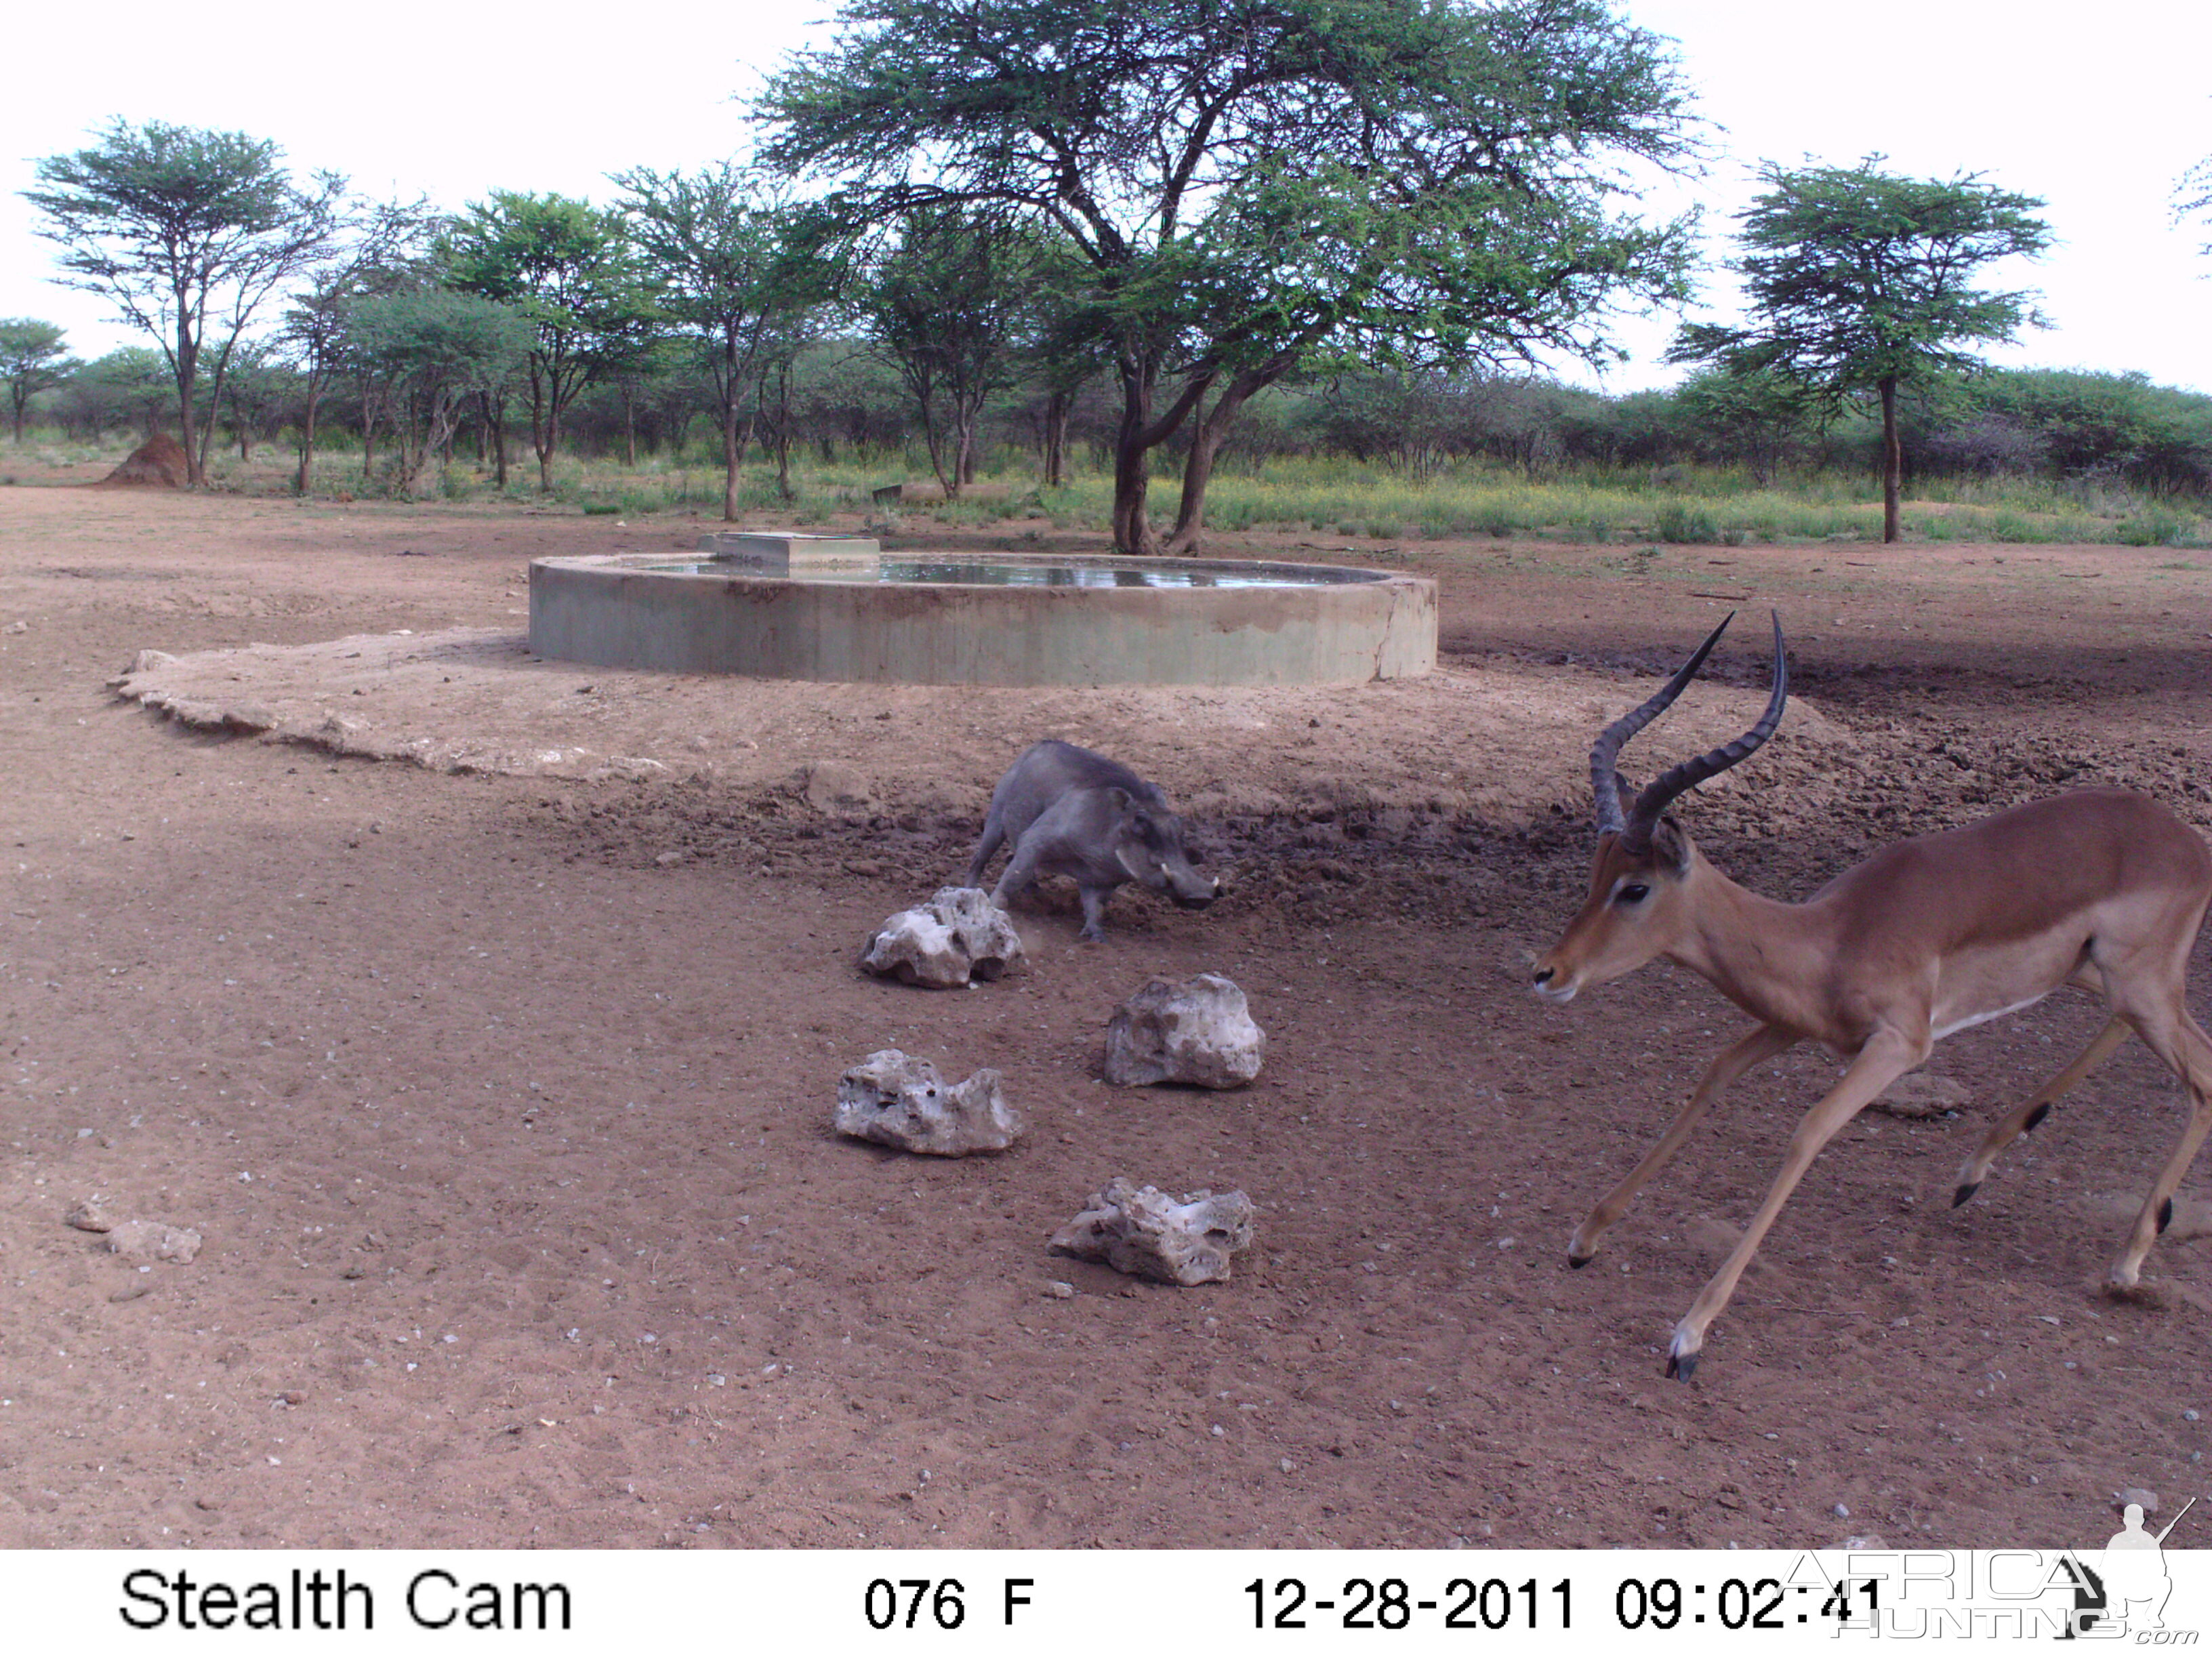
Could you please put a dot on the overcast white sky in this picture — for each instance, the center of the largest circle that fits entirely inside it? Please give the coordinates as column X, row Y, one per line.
column 2098, row 109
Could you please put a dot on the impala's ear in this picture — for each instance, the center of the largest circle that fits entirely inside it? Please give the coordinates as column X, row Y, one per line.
column 1670, row 846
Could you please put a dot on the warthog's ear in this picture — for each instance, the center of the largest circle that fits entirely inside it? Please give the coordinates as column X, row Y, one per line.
column 1118, row 798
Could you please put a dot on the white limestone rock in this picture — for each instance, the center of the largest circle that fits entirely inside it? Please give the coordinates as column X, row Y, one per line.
column 1199, row 1031
column 900, row 1101
column 1142, row 1232
column 958, row 937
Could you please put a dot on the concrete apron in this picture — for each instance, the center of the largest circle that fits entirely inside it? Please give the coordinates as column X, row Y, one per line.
column 604, row 609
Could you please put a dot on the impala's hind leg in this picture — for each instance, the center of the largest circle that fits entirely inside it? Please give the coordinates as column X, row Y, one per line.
column 2036, row 1108
column 2181, row 1043
column 1730, row 1064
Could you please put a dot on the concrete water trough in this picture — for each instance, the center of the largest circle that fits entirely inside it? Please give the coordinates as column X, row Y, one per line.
column 838, row 608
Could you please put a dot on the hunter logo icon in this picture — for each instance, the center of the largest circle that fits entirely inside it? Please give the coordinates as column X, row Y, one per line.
column 2127, row 1590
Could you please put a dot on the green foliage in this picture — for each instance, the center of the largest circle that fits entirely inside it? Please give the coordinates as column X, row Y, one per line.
column 1252, row 188
column 184, row 229
column 1759, row 414
column 735, row 259
column 430, row 350
column 33, row 357
column 1856, row 276
column 949, row 302
column 255, row 391
column 455, row 344
column 2082, row 425
column 131, row 383
column 1681, row 521
column 1859, row 283
column 569, row 268
column 2155, row 527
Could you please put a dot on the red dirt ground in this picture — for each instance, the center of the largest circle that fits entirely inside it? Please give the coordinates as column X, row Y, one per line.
column 500, row 1095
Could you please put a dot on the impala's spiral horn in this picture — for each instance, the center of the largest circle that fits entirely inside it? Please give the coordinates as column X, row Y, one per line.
column 1635, row 827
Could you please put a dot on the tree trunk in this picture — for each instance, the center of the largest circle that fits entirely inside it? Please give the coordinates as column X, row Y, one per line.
column 495, row 419
column 304, row 480
column 732, row 454
column 629, row 429
column 215, row 403
column 1133, row 531
column 187, row 367
column 424, row 477
column 1137, row 437
column 195, row 465
column 1056, row 412
column 545, row 429
column 1198, row 466
column 932, row 434
column 1892, row 463
column 405, row 439
column 783, row 433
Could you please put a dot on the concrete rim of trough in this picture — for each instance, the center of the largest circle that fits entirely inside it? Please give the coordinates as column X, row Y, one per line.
column 1345, row 626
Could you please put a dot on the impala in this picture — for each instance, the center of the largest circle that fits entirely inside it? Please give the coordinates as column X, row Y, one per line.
column 2100, row 888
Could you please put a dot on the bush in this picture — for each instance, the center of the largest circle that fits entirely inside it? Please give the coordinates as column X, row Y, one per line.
column 2154, row 526
column 1679, row 522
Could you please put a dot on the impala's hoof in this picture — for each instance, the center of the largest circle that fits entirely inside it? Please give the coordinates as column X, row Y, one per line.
column 1579, row 1262
column 1966, row 1189
column 1681, row 1366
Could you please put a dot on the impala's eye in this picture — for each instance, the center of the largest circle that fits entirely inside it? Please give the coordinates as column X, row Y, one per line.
column 1635, row 893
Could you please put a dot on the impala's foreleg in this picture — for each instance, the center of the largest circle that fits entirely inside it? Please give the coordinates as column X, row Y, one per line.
column 1732, row 1063
column 2181, row 1043
column 2035, row 1109
column 1886, row 1056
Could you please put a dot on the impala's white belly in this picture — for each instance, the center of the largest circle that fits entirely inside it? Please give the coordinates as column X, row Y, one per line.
column 1959, row 1024
column 1984, row 984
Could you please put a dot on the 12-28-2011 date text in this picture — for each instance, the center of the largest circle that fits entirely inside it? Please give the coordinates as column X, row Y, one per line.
column 1392, row 1604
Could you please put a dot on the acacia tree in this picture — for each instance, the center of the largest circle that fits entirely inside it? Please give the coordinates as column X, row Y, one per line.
column 949, row 303
column 1255, row 185
column 33, row 357
column 722, row 243
column 187, row 233
column 433, row 352
column 1068, row 349
column 377, row 252
column 1859, row 282
column 806, row 284
column 567, row 266
column 255, row 392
